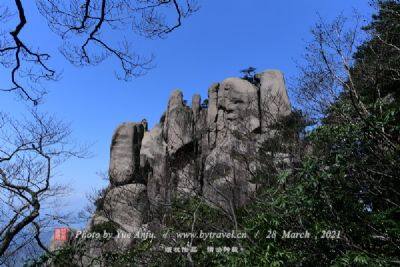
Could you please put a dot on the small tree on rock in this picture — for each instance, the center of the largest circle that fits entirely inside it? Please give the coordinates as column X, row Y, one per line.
column 248, row 74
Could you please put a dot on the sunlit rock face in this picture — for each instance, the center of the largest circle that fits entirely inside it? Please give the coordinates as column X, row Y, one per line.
column 238, row 105
column 206, row 149
column 125, row 151
column 127, row 206
column 274, row 100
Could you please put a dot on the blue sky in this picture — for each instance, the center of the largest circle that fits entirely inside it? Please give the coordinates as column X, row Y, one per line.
column 224, row 37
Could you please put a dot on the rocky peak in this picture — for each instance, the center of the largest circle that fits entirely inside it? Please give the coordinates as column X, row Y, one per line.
column 191, row 151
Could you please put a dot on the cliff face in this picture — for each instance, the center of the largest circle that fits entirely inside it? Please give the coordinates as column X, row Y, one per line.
column 203, row 150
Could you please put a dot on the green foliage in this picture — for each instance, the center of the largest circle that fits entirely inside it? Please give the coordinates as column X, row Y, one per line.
column 131, row 257
column 63, row 257
column 106, row 227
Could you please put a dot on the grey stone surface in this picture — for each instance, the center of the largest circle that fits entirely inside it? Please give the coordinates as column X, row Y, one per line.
column 153, row 146
column 196, row 99
column 125, row 150
column 212, row 113
column 127, row 206
column 212, row 104
column 238, row 100
column 178, row 125
column 194, row 150
column 274, row 100
column 153, row 159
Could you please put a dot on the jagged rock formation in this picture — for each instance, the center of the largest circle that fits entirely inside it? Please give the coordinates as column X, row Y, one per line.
column 197, row 150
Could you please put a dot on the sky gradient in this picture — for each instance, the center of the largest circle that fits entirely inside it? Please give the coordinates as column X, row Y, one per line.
column 223, row 37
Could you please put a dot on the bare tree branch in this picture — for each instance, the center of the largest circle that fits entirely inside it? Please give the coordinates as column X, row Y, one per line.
column 85, row 27
column 30, row 151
